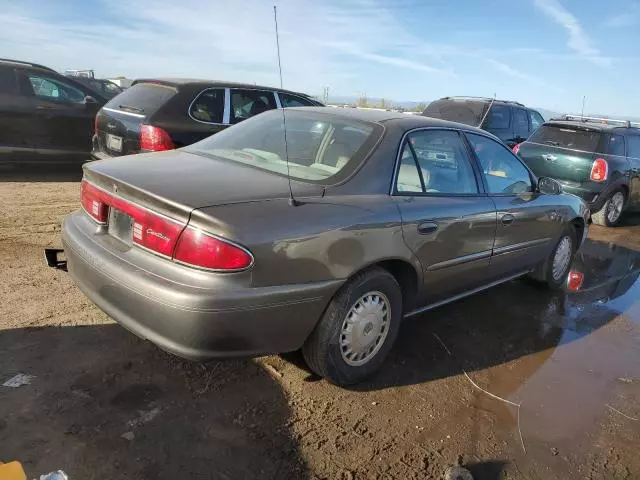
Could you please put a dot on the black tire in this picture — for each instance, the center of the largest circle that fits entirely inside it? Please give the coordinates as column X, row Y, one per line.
column 545, row 271
column 603, row 217
column 323, row 351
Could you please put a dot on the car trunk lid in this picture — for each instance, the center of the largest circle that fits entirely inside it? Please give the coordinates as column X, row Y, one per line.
column 118, row 122
column 562, row 152
column 176, row 182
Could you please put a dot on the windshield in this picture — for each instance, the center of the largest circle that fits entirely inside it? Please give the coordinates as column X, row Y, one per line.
column 318, row 146
column 455, row 110
column 567, row 137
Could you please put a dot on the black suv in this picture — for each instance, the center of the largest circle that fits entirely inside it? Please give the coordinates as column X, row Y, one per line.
column 162, row 114
column 596, row 159
column 44, row 116
column 511, row 122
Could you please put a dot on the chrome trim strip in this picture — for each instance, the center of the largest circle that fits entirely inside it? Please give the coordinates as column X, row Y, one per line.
column 521, row 246
column 131, row 114
column 459, row 260
column 572, row 149
column 460, row 296
column 198, row 96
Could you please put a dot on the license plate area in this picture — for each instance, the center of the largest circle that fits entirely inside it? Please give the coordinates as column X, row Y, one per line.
column 113, row 142
column 119, row 225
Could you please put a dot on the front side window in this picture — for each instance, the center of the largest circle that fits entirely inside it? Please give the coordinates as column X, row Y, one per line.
column 319, row 146
column 208, row 106
column 248, row 103
column 616, row 145
column 499, row 117
column 444, row 165
column 287, row 100
column 502, row 170
column 53, row 89
column 536, row 120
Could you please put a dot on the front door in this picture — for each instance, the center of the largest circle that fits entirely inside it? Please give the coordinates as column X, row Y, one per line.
column 528, row 223
column 447, row 221
column 63, row 121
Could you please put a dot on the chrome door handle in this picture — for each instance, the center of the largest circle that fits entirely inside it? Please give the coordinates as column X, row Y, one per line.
column 426, row 228
column 508, row 219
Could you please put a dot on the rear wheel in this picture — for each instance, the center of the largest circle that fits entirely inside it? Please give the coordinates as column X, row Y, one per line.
column 610, row 213
column 357, row 329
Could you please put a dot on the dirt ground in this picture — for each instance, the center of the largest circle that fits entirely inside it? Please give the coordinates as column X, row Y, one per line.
column 106, row 405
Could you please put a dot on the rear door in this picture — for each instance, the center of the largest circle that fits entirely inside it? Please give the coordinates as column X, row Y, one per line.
column 633, row 155
column 118, row 122
column 16, row 119
column 447, row 220
column 63, row 122
column 527, row 222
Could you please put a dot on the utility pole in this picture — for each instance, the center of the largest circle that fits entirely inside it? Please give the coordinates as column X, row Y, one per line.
column 584, row 100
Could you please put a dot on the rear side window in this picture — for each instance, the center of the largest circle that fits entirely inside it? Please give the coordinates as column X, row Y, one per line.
column 208, row 106
column 143, row 98
column 247, row 103
column 567, row 137
column 469, row 112
column 287, row 100
column 8, row 84
column 616, row 145
column 499, row 117
column 633, row 146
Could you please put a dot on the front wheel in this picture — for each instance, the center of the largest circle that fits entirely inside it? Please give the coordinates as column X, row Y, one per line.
column 357, row 329
column 554, row 270
column 610, row 213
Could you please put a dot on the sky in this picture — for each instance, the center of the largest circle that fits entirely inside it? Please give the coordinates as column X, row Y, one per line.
column 543, row 53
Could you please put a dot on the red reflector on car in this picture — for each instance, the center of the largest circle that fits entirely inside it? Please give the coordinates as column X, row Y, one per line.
column 155, row 139
column 599, row 170
column 203, row 250
column 574, row 281
column 516, row 148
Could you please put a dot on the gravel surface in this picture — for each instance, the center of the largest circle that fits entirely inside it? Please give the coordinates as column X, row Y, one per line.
column 107, row 405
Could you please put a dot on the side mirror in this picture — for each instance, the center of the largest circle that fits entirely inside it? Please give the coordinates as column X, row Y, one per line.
column 90, row 102
column 549, row 186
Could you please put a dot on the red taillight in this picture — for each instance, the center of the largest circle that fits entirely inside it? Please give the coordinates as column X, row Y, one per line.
column 574, row 281
column 93, row 203
column 599, row 170
column 202, row 250
column 155, row 139
column 516, row 148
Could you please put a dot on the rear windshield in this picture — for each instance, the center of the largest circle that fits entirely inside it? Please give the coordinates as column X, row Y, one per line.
column 469, row 112
column 567, row 137
column 319, row 146
column 142, row 98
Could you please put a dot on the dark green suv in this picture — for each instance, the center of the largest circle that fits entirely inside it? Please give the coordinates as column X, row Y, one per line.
column 596, row 159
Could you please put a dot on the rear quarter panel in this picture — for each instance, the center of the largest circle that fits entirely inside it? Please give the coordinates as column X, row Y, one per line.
column 322, row 239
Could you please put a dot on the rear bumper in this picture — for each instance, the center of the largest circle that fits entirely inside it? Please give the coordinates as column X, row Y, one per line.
column 188, row 320
column 594, row 194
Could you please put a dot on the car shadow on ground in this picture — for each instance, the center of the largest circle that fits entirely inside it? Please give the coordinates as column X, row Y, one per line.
column 104, row 404
column 59, row 172
column 509, row 322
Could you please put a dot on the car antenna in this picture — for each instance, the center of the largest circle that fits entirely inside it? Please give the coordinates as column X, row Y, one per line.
column 487, row 112
column 292, row 201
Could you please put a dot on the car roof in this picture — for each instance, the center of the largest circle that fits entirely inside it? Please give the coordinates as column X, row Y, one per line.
column 484, row 100
column 594, row 127
column 197, row 82
column 400, row 119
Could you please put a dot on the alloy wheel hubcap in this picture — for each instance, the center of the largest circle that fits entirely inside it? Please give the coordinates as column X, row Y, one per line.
column 365, row 328
column 562, row 258
column 615, row 207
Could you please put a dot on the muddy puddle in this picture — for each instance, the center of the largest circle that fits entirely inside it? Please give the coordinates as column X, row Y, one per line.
column 568, row 367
